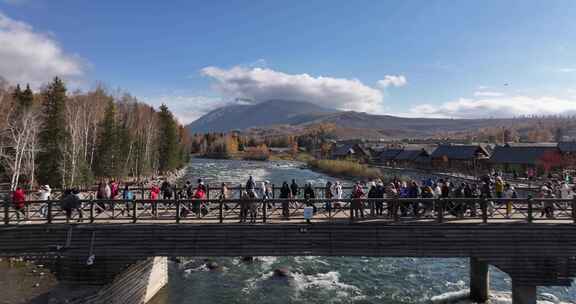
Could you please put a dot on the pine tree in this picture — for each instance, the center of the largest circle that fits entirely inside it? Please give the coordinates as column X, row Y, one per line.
column 169, row 148
column 53, row 136
column 26, row 98
column 23, row 99
column 16, row 95
column 107, row 151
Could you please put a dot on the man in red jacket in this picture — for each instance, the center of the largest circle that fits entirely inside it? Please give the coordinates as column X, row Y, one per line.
column 18, row 201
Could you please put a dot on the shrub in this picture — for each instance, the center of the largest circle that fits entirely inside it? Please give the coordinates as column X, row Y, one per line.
column 344, row 168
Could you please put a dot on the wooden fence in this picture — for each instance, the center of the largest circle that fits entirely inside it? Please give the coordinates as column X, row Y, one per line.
column 292, row 210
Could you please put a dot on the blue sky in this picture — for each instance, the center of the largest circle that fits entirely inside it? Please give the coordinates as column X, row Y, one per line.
column 418, row 58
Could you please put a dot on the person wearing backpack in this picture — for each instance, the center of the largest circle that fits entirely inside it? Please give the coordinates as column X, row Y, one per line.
column 128, row 198
column 285, row 194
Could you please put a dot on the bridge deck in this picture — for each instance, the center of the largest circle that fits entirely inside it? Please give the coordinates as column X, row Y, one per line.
column 538, row 254
column 532, row 240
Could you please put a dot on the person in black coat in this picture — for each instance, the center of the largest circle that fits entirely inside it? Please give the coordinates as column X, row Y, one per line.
column 285, row 193
column 70, row 202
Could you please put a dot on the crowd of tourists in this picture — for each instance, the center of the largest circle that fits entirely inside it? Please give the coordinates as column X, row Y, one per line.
column 292, row 196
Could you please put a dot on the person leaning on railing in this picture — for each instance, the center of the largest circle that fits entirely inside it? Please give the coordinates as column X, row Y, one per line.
column 154, row 193
column 328, row 195
column 509, row 193
column 224, row 195
column 128, row 197
column 19, row 202
column 356, row 207
column 372, row 194
column 244, row 205
column 391, row 194
column 44, row 195
column 70, row 202
column 285, row 194
column 380, row 193
column 309, row 194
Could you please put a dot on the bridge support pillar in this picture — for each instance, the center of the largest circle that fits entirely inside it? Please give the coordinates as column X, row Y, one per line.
column 522, row 294
column 479, row 281
column 133, row 282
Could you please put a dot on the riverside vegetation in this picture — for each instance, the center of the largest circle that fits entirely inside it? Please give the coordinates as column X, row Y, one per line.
column 344, row 168
column 69, row 140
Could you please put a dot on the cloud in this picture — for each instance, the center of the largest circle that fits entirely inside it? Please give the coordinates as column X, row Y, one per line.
column 393, row 80
column 488, row 94
column 187, row 108
column 261, row 84
column 497, row 107
column 27, row 56
column 567, row 70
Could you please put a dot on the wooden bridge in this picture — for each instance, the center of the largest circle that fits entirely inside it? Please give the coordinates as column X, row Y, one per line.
column 534, row 241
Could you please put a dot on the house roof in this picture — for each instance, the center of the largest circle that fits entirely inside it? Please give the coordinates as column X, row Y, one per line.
column 343, row 150
column 459, row 152
column 389, row 154
column 523, row 154
column 412, row 154
column 358, row 149
column 533, row 145
column 567, row 146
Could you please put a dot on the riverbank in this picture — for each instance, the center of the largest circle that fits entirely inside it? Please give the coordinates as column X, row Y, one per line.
column 23, row 281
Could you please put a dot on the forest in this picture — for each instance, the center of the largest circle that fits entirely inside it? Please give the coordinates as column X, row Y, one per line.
column 66, row 140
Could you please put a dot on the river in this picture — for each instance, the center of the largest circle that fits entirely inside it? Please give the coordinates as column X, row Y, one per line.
column 313, row 279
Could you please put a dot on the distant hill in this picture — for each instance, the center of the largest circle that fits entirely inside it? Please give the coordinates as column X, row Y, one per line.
column 272, row 112
column 407, row 126
column 281, row 116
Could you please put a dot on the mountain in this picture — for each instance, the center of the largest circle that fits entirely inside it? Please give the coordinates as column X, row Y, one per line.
column 280, row 116
column 272, row 112
column 408, row 126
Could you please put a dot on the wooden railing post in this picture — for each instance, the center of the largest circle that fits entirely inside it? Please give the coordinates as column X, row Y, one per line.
column 484, row 207
column 178, row 208
column 208, row 191
column 351, row 210
column 440, row 215
column 221, row 211
column 574, row 209
column 134, row 213
column 530, row 210
column 331, row 205
column 396, row 209
column 49, row 217
column 6, row 212
column 91, row 211
column 264, row 210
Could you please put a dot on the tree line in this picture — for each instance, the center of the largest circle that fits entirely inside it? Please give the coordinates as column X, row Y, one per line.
column 73, row 139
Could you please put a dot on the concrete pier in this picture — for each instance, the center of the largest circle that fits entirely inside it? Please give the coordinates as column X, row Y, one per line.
column 522, row 294
column 137, row 283
column 479, row 280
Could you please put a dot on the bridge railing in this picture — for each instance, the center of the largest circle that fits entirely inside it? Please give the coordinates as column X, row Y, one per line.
column 292, row 210
column 212, row 191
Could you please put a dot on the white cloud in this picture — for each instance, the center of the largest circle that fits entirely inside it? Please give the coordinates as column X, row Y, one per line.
column 488, row 94
column 27, row 56
column 393, row 80
column 567, row 70
column 497, row 107
column 187, row 108
column 261, row 84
